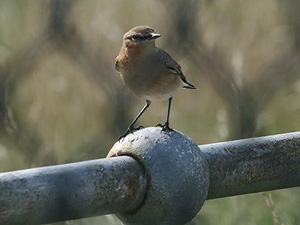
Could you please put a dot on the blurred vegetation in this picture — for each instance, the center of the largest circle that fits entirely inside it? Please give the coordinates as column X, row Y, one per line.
column 62, row 101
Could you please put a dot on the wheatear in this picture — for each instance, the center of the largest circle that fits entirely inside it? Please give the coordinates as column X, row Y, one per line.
column 148, row 71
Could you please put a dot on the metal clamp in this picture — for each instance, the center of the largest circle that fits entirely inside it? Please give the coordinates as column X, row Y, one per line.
column 176, row 172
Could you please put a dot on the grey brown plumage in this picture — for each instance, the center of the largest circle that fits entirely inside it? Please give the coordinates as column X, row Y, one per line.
column 173, row 66
column 148, row 71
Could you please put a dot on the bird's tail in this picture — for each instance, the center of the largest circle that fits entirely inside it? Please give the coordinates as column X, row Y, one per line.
column 187, row 85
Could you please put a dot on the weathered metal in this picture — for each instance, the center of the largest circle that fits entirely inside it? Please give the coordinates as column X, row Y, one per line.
column 177, row 176
column 253, row 165
column 157, row 178
column 71, row 191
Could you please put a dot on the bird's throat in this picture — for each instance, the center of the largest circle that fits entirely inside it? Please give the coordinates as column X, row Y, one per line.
column 139, row 50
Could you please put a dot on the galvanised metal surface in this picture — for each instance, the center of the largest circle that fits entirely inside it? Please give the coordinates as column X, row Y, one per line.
column 70, row 191
column 253, row 165
column 166, row 176
column 177, row 176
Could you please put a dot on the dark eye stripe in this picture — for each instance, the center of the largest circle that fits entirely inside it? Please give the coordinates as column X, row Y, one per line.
column 140, row 38
column 145, row 37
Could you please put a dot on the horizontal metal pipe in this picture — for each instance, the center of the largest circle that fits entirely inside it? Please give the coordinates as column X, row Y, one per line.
column 118, row 185
column 253, row 165
column 70, row 191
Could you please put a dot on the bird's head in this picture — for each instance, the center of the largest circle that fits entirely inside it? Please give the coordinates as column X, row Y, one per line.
column 140, row 36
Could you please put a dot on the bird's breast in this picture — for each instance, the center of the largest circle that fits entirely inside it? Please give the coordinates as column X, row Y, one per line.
column 149, row 79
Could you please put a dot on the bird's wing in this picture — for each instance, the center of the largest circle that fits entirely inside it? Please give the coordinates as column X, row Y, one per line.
column 117, row 67
column 165, row 59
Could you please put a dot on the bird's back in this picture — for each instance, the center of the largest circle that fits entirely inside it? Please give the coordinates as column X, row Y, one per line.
column 172, row 66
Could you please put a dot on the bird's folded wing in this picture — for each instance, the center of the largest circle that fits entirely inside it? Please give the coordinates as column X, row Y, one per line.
column 165, row 59
column 117, row 67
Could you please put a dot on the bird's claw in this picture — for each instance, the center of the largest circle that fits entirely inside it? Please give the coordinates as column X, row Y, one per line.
column 130, row 130
column 164, row 127
column 125, row 134
column 167, row 128
column 138, row 128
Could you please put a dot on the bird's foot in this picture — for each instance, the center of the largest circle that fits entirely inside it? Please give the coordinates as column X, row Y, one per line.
column 138, row 128
column 130, row 130
column 167, row 128
column 159, row 125
column 124, row 135
column 164, row 127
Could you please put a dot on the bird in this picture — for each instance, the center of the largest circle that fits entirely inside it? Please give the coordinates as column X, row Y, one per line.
column 150, row 72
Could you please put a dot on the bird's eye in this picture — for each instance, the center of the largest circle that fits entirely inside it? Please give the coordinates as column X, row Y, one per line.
column 134, row 37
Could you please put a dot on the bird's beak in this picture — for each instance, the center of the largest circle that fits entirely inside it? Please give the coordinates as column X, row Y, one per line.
column 154, row 36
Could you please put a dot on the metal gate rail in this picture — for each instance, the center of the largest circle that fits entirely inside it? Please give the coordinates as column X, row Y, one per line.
column 122, row 184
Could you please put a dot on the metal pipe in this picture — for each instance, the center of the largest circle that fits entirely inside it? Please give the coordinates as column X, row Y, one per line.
column 118, row 184
column 253, row 165
column 70, row 191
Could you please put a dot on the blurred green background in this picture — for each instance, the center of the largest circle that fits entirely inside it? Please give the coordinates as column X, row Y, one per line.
column 62, row 101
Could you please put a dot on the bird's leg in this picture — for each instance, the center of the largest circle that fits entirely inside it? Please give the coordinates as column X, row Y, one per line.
column 166, row 126
column 131, row 126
